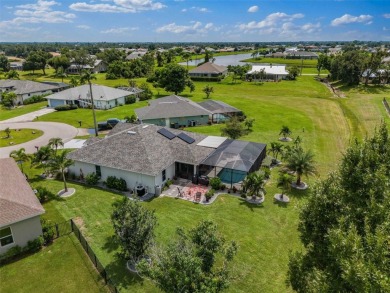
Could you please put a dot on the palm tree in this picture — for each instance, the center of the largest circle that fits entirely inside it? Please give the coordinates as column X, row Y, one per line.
column 12, row 74
column 42, row 157
column 59, row 163
column 74, row 81
column 285, row 131
column 55, row 142
column 276, row 149
column 19, row 156
column 187, row 57
column 302, row 163
column 61, row 73
column 254, row 185
column 284, row 182
column 87, row 76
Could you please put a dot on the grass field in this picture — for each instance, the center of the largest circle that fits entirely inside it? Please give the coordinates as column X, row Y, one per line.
column 60, row 267
column 18, row 137
column 7, row 114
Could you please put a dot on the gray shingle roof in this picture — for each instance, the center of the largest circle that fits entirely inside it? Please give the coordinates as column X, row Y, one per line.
column 100, row 92
column 209, row 67
column 17, row 200
column 21, row 87
column 216, row 107
column 171, row 106
column 145, row 151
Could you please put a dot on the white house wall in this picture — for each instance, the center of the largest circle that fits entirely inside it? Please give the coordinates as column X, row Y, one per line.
column 169, row 174
column 23, row 231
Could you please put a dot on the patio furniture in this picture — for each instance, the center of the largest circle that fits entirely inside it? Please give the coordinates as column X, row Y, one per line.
column 198, row 196
column 203, row 180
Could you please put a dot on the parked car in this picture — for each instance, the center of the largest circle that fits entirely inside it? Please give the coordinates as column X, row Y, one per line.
column 109, row 124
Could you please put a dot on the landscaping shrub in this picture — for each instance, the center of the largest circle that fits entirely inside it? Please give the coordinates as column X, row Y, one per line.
column 168, row 183
column 48, row 232
column 44, row 194
column 34, row 99
column 12, row 252
column 130, row 99
column 267, row 173
column 209, row 194
column 222, row 187
column 34, row 245
column 215, row 183
column 116, row 183
column 65, row 107
column 92, row 178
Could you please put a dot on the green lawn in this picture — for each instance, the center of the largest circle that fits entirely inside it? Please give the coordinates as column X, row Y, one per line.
column 7, row 114
column 288, row 62
column 18, row 137
column 60, row 267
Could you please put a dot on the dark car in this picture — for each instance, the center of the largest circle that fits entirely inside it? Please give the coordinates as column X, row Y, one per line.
column 203, row 180
column 109, row 124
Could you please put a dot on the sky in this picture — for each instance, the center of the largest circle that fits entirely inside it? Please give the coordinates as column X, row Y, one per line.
column 193, row 21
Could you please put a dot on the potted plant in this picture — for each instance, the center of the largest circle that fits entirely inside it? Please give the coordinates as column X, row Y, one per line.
column 209, row 194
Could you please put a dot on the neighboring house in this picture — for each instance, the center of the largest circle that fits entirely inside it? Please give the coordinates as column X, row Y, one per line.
column 301, row 55
column 273, row 72
column 98, row 67
column 135, row 55
column 208, row 70
column 16, row 66
column 219, row 111
column 173, row 111
column 60, row 85
column 20, row 209
column 148, row 155
column 104, row 97
column 25, row 89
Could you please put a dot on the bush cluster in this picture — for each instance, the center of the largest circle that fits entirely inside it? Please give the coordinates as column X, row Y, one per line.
column 92, row 178
column 44, row 194
column 34, row 99
column 32, row 246
column 66, row 107
column 130, row 99
column 209, row 194
column 47, row 232
column 116, row 183
column 215, row 183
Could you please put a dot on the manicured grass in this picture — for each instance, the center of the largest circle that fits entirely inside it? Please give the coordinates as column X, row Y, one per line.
column 7, row 114
column 18, row 137
column 265, row 234
column 60, row 267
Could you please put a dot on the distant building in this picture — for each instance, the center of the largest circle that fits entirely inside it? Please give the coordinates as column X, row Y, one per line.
column 135, row 55
column 208, row 70
column 20, row 208
column 98, row 66
column 272, row 72
column 301, row 55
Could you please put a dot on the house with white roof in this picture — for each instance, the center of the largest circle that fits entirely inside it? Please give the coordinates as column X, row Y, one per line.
column 104, row 97
column 272, row 72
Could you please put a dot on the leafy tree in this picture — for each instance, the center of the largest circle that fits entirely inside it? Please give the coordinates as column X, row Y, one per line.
column 130, row 119
column 59, row 62
column 55, row 142
column 208, row 90
column 323, row 62
column 81, row 58
column 238, row 71
column 111, row 55
column 302, row 163
column 293, row 72
column 20, row 156
column 160, row 59
column 134, row 228
column 8, row 99
column 372, row 64
column 147, row 93
column 173, row 78
column 233, row 128
column 87, row 76
column 348, row 67
column 253, row 185
column 284, row 182
column 39, row 59
column 285, row 131
column 60, row 163
column 249, row 123
column 4, row 63
column 344, row 226
column 12, row 74
column 188, row 264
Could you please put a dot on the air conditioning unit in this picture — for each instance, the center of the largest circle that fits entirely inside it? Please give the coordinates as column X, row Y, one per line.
column 193, row 123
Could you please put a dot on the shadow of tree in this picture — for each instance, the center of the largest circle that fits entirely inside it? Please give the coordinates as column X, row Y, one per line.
column 111, row 244
column 250, row 206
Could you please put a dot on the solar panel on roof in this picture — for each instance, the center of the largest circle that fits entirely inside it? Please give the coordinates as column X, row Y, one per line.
column 186, row 138
column 166, row 133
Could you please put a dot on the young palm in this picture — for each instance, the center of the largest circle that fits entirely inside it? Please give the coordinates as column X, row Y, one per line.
column 74, row 81
column 61, row 73
column 87, row 76
column 284, row 182
column 254, row 185
column 302, row 163
column 59, row 163
column 56, row 142
column 20, row 156
column 276, row 149
column 285, row 131
column 42, row 157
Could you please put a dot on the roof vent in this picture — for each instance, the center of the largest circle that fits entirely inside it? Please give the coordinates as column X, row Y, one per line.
column 131, row 132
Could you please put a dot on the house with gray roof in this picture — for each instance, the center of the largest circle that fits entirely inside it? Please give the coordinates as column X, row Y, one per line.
column 219, row 111
column 97, row 66
column 25, row 89
column 20, row 209
column 209, row 71
column 148, row 155
column 173, row 111
column 104, row 97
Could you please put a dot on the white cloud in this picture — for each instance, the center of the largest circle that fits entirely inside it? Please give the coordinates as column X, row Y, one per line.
column 254, row 8
column 386, row 15
column 195, row 28
column 347, row 18
column 195, row 8
column 119, row 30
column 184, row 10
column 118, row 6
column 84, row 27
column 271, row 20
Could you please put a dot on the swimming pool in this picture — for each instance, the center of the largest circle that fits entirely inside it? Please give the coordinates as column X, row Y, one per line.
column 226, row 175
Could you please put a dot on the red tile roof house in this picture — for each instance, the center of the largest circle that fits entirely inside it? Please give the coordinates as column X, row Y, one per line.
column 20, row 209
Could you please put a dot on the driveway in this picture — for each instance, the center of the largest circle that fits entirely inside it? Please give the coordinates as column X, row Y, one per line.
column 29, row 116
column 50, row 129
